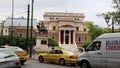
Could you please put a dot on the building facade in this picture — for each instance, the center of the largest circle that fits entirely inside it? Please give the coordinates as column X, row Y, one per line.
column 21, row 21
column 19, row 26
column 3, row 30
column 69, row 29
column 22, row 31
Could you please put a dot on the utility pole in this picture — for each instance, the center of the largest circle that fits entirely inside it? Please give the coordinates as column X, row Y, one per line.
column 2, row 31
column 12, row 21
column 31, row 46
column 2, row 27
column 27, row 31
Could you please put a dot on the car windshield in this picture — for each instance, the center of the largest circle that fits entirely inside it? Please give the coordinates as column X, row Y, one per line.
column 6, row 54
column 2, row 55
column 16, row 49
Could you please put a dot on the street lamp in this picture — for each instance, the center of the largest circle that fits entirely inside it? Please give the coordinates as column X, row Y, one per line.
column 115, row 20
column 107, row 19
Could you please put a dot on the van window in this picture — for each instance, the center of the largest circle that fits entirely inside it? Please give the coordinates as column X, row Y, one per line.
column 94, row 46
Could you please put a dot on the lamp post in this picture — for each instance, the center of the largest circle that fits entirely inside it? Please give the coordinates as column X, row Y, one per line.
column 31, row 45
column 115, row 20
column 12, row 29
column 107, row 19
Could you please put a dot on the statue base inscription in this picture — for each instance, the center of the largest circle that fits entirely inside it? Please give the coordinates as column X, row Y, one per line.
column 41, row 43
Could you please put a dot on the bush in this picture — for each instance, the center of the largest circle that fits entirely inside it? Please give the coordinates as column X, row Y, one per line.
column 52, row 42
column 4, row 40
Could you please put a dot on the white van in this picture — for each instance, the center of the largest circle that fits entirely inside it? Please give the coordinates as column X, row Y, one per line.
column 103, row 52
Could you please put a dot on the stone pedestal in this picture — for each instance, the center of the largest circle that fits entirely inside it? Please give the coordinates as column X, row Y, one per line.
column 41, row 43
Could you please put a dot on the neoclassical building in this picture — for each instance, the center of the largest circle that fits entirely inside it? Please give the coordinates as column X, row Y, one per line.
column 69, row 29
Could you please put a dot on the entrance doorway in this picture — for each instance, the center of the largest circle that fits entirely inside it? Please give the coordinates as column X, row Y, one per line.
column 66, row 39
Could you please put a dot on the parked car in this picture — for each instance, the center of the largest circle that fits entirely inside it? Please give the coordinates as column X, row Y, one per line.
column 58, row 56
column 22, row 54
column 8, row 59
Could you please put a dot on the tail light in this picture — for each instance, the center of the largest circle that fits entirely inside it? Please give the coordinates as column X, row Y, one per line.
column 27, row 53
column 72, row 57
column 18, row 63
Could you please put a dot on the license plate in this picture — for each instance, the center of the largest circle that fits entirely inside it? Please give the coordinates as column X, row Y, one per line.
column 2, row 63
column 9, row 63
column 6, row 64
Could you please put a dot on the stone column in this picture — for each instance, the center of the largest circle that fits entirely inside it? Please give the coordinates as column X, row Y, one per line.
column 69, row 36
column 73, row 37
column 59, row 38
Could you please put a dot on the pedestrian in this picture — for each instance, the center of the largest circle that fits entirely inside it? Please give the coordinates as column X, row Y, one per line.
column 33, row 52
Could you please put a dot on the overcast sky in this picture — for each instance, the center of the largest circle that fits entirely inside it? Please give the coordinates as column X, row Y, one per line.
column 89, row 7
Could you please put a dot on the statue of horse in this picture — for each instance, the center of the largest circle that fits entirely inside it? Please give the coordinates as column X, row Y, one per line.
column 42, row 29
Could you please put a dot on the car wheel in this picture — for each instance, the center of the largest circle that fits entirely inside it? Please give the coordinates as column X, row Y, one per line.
column 22, row 62
column 41, row 59
column 18, row 67
column 62, row 62
column 85, row 64
column 73, row 64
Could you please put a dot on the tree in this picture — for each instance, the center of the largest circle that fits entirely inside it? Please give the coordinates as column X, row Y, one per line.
column 94, row 30
column 16, row 41
column 86, row 43
column 116, row 4
column 52, row 42
column 107, row 30
column 20, row 42
column 3, row 40
column 115, row 15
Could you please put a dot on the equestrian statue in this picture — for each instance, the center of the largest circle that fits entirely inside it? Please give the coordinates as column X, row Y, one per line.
column 41, row 28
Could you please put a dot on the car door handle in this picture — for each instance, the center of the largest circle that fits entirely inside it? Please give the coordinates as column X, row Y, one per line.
column 99, row 53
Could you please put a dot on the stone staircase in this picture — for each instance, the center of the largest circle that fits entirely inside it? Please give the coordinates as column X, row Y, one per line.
column 71, row 47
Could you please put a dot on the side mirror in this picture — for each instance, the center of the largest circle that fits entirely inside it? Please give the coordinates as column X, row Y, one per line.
column 86, row 50
column 81, row 49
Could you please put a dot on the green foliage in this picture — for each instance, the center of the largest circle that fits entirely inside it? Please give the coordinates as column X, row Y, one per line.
column 20, row 42
column 33, row 40
column 114, row 15
column 17, row 41
column 86, row 43
column 94, row 31
column 107, row 30
column 116, row 4
column 4, row 40
column 52, row 42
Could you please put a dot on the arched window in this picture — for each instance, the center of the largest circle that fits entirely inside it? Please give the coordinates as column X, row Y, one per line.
column 85, row 38
column 77, row 28
column 53, row 37
column 79, row 39
column 20, row 34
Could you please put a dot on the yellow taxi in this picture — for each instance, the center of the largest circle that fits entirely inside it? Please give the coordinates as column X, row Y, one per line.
column 22, row 54
column 58, row 56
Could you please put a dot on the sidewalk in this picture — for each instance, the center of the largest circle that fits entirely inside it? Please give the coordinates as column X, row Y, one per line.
column 35, row 57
